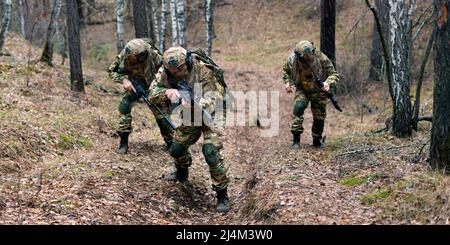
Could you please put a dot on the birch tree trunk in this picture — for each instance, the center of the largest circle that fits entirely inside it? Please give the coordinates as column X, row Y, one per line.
column 376, row 55
column 140, row 19
column 155, row 21
column 73, row 28
column 120, row 11
column 328, row 29
column 21, row 17
column 400, row 41
column 162, row 34
column 47, row 54
column 209, row 28
column 151, row 30
column 440, row 132
column 181, row 24
column 5, row 22
column 173, row 15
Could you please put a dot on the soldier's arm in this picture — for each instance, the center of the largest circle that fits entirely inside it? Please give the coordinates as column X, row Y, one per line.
column 116, row 69
column 287, row 69
column 212, row 90
column 332, row 75
column 157, row 88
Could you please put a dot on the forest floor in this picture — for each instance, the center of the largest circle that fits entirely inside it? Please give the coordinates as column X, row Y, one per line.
column 58, row 163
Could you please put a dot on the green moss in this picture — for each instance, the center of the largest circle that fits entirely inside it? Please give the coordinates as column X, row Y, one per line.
column 109, row 174
column 373, row 197
column 66, row 141
column 358, row 180
column 352, row 181
column 2, row 114
column 85, row 142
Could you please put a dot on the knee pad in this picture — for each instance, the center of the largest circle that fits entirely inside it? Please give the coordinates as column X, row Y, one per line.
column 299, row 108
column 211, row 154
column 177, row 150
column 124, row 107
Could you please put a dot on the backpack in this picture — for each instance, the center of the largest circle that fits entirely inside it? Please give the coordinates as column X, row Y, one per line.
column 200, row 55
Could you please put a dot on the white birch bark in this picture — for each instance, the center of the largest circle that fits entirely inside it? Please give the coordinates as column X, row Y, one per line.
column 181, row 17
column 21, row 17
column 155, row 20
column 162, row 34
column 120, row 9
column 5, row 22
column 400, row 41
column 47, row 53
column 209, row 30
column 173, row 15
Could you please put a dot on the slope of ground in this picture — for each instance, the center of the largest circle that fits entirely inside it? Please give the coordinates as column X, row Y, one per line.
column 58, row 163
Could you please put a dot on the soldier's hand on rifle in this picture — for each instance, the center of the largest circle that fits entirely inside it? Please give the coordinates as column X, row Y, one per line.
column 128, row 86
column 289, row 88
column 326, row 87
column 173, row 95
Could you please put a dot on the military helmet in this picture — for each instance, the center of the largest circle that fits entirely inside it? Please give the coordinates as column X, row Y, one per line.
column 175, row 57
column 305, row 47
column 136, row 51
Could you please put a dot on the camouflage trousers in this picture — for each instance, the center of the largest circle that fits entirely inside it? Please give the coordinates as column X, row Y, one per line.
column 125, row 119
column 318, row 108
column 185, row 136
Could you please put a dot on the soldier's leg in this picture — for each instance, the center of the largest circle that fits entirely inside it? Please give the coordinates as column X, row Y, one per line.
column 183, row 138
column 301, row 103
column 164, row 127
column 213, row 138
column 319, row 111
column 124, row 127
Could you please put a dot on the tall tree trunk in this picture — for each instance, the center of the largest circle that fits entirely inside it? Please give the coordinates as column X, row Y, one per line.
column 150, row 19
column 21, row 17
column 155, row 21
column 400, row 41
column 5, row 22
column 420, row 81
column 140, row 18
column 162, row 34
column 120, row 32
column 376, row 59
column 328, row 29
column 209, row 16
column 181, row 24
column 440, row 132
column 47, row 54
column 76, row 72
column 173, row 15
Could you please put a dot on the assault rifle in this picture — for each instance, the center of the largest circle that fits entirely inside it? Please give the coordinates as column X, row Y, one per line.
column 140, row 91
column 187, row 94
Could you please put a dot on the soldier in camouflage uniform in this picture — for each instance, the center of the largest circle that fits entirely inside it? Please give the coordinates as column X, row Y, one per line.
column 178, row 66
column 139, row 60
column 297, row 74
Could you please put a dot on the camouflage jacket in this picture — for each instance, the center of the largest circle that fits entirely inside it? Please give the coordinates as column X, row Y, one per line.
column 298, row 74
column 200, row 76
column 120, row 68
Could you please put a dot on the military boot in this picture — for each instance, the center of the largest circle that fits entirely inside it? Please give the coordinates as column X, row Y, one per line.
column 123, row 147
column 180, row 174
column 318, row 142
column 296, row 141
column 223, row 203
